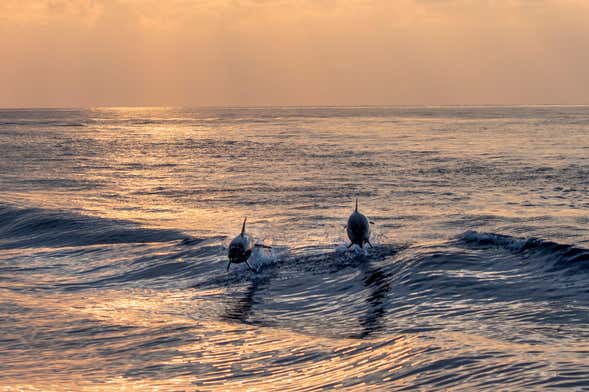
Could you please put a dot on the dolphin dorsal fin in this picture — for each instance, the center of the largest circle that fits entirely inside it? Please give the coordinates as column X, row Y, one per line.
column 356, row 205
column 243, row 227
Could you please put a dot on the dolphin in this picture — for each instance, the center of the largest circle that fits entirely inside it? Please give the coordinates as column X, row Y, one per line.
column 241, row 248
column 358, row 228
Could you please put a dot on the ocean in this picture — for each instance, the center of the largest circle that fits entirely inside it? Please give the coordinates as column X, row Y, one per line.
column 115, row 223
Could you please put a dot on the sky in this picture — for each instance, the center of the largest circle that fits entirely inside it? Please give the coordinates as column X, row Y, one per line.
column 78, row 53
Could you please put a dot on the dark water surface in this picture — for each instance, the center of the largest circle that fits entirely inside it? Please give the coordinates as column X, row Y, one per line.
column 114, row 226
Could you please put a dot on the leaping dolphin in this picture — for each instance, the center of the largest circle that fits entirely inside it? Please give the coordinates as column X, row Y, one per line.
column 358, row 228
column 241, row 248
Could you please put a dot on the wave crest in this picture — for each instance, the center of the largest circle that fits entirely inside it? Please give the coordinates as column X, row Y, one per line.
column 557, row 255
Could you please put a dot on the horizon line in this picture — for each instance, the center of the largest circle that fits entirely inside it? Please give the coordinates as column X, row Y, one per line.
column 489, row 105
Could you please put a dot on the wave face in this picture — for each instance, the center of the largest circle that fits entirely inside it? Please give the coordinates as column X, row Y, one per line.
column 114, row 227
column 35, row 227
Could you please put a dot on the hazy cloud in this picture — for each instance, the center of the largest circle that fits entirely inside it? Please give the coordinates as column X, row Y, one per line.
column 252, row 52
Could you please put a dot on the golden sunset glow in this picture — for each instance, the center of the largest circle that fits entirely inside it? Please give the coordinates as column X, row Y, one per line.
column 286, row 52
column 294, row 195
column 211, row 349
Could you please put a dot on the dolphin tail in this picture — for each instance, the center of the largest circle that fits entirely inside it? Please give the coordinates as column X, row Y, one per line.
column 356, row 204
column 243, row 227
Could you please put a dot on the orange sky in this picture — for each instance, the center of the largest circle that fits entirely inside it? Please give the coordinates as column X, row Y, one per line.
column 293, row 52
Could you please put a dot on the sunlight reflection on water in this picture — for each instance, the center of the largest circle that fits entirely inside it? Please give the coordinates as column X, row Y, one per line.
column 114, row 225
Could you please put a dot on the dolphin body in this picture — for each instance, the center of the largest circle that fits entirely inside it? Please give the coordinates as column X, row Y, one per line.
column 358, row 228
column 241, row 248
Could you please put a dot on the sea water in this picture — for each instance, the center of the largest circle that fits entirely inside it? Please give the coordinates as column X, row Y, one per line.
column 114, row 226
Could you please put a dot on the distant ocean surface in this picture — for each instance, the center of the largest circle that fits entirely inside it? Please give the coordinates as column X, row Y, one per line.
column 115, row 222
